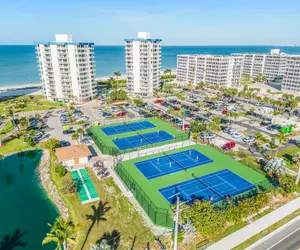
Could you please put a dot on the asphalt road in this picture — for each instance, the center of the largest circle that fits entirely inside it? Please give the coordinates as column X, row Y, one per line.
column 287, row 239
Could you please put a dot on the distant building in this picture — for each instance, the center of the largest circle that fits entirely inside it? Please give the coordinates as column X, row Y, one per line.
column 74, row 155
column 67, row 69
column 143, row 64
column 211, row 69
column 291, row 77
column 226, row 71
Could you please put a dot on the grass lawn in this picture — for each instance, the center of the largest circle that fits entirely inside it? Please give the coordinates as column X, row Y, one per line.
column 287, row 154
column 14, row 145
column 220, row 162
column 121, row 215
column 7, row 128
column 31, row 105
column 160, row 125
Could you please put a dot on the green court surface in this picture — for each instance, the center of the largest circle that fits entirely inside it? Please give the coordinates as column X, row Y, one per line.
column 136, row 181
column 89, row 184
column 106, row 145
column 80, row 189
column 85, row 188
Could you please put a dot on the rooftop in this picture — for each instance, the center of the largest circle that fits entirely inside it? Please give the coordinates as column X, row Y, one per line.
column 71, row 152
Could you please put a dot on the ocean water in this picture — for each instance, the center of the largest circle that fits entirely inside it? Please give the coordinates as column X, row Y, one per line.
column 24, row 204
column 18, row 64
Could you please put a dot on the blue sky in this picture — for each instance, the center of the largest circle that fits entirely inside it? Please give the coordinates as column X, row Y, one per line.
column 177, row 22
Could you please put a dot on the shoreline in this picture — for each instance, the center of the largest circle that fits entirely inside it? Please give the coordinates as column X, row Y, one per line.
column 49, row 187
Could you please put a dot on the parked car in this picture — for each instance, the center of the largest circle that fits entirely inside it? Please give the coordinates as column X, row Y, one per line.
column 249, row 139
column 121, row 114
column 225, row 111
column 252, row 121
column 208, row 135
column 274, row 127
column 69, row 131
column 237, row 135
column 266, row 123
column 229, row 145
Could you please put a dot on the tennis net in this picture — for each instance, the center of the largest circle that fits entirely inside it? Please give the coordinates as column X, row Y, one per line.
column 133, row 129
column 209, row 187
column 175, row 161
column 141, row 135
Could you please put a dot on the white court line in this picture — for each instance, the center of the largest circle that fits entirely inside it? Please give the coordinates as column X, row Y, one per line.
column 227, row 183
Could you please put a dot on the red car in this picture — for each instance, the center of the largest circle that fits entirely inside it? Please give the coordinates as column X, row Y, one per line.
column 158, row 101
column 229, row 145
column 224, row 112
column 176, row 108
column 121, row 114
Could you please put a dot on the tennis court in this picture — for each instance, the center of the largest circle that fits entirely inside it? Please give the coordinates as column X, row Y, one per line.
column 171, row 163
column 141, row 140
column 214, row 187
column 127, row 127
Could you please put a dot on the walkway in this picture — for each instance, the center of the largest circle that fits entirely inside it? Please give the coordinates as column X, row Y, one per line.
column 257, row 226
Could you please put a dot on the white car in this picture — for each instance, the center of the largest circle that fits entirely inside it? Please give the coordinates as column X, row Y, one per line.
column 249, row 139
column 232, row 131
column 237, row 135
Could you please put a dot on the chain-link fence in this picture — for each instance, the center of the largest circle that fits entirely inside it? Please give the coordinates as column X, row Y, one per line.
column 159, row 216
column 105, row 149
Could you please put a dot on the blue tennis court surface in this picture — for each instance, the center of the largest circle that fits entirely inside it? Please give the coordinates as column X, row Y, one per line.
column 172, row 163
column 127, row 127
column 141, row 140
column 217, row 185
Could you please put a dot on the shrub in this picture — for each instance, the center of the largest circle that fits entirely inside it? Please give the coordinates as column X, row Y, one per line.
column 68, row 185
column 30, row 141
column 287, row 184
column 60, row 170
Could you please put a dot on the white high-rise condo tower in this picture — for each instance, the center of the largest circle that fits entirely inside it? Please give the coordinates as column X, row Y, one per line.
column 143, row 64
column 67, row 69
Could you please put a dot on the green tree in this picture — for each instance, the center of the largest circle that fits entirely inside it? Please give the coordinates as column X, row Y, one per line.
column 281, row 138
column 75, row 137
column 62, row 232
column 30, row 141
column 24, row 123
column 80, row 131
column 275, row 114
column 52, row 144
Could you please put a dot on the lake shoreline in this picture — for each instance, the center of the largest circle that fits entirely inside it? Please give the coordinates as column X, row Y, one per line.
column 49, row 187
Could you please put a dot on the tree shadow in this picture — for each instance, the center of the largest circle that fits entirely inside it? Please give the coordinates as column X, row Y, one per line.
column 113, row 239
column 96, row 216
column 11, row 242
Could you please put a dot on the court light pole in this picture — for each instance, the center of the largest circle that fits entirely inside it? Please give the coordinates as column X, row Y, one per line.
column 176, row 222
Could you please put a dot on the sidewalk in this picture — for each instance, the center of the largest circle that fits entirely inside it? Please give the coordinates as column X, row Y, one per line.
column 257, row 226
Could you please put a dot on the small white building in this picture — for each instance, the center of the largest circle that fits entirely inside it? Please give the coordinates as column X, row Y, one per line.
column 74, row 155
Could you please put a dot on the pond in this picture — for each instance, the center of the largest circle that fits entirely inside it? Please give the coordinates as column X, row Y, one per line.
column 24, row 205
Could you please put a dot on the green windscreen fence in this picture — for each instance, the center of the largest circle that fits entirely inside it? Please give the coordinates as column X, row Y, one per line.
column 159, row 216
column 105, row 149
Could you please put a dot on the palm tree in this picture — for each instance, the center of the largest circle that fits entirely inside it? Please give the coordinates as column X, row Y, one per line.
column 117, row 74
column 61, row 232
column 80, row 131
column 275, row 114
column 24, row 123
column 296, row 159
column 75, row 137
column 281, row 137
